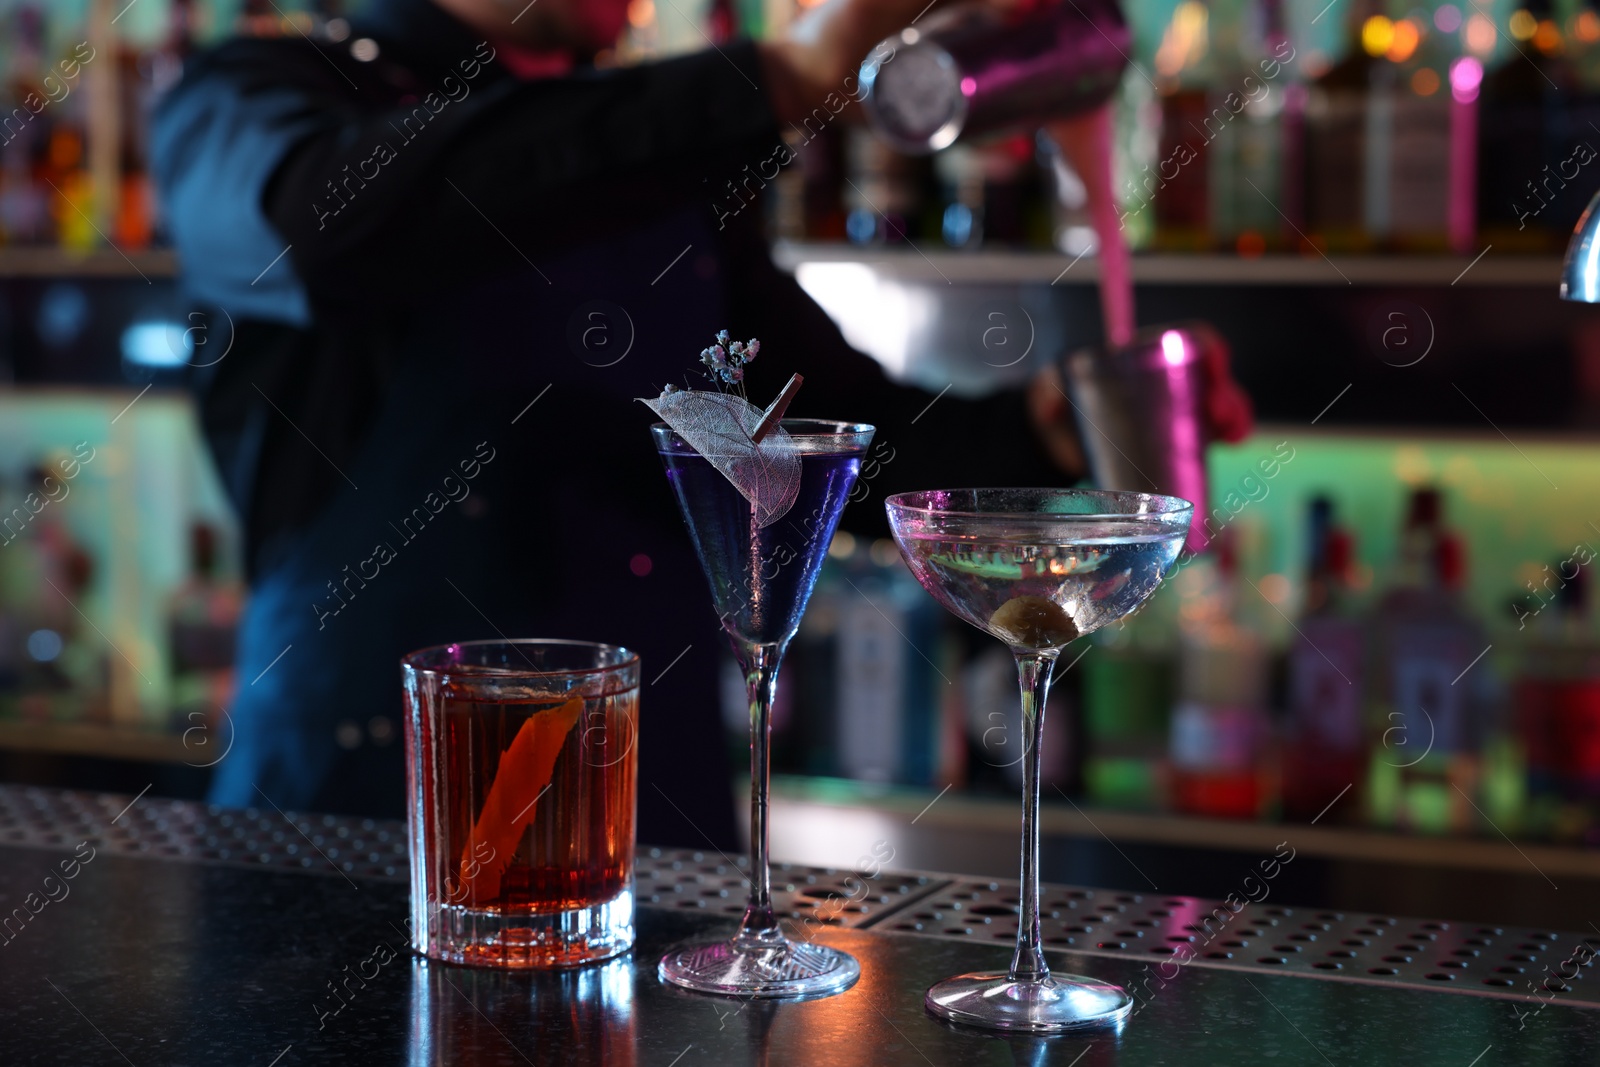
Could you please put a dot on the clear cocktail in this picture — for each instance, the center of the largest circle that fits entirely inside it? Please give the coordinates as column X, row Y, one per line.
column 1035, row 568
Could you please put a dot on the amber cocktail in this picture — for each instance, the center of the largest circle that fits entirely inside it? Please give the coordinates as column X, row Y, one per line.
column 522, row 767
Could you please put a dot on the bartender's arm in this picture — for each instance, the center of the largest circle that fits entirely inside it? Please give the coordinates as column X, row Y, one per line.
column 361, row 176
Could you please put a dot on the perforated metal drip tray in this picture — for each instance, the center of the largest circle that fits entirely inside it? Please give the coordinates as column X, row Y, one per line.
column 679, row 878
column 202, row 833
column 1508, row 962
column 1496, row 961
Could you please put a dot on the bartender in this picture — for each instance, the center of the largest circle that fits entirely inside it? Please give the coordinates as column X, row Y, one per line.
column 444, row 255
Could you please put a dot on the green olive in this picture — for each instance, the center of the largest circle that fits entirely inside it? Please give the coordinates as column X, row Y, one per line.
column 1032, row 622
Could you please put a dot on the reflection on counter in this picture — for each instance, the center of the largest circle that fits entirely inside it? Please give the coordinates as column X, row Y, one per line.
column 452, row 1008
column 1389, row 632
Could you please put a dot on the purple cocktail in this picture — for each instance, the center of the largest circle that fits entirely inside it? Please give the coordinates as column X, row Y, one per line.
column 761, row 578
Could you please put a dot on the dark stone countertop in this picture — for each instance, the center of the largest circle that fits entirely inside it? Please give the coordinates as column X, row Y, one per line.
column 170, row 959
column 151, row 961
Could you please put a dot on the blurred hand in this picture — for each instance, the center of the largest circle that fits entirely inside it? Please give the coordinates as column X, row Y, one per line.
column 1228, row 412
column 1051, row 414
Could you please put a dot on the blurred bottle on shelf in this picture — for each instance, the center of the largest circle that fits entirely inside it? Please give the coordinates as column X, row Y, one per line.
column 72, row 196
column 959, row 170
column 202, row 624
column 1255, row 199
column 1016, row 209
column 1325, row 739
column 872, row 674
column 1534, row 175
column 164, row 63
column 890, row 716
column 1339, row 147
column 1128, row 683
column 807, row 196
column 996, row 741
column 1556, row 722
column 1419, row 165
column 1221, row 741
column 866, row 704
column 24, row 140
column 1071, row 230
column 1181, row 178
column 881, row 191
column 821, row 162
column 13, row 631
column 145, row 74
column 63, row 673
column 1425, row 773
column 1581, row 43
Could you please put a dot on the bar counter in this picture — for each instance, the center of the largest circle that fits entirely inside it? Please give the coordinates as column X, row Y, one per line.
column 167, row 932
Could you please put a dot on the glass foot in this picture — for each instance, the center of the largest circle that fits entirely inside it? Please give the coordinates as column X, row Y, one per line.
column 993, row 1000
column 781, row 970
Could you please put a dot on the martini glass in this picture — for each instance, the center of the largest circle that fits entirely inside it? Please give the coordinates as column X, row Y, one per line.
column 1035, row 568
column 761, row 579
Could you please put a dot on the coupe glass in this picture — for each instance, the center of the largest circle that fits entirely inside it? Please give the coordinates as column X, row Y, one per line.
column 1036, row 568
column 761, row 579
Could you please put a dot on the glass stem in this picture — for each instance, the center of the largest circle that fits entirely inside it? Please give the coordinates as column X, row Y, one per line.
column 1033, row 671
column 759, row 928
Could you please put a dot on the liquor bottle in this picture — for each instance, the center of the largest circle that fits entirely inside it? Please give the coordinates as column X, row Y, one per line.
column 1253, row 201
column 889, row 716
column 134, row 216
column 13, row 631
column 1426, row 771
column 157, row 71
column 24, row 198
column 959, row 169
column 1555, row 728
column 65, row 674
column 1582, row 47
column 1411, row 125
column 810, row 742
column 1182, row 194
column 871, row 657
column 1127, row 681
column 786, row 221
column 1015, row 211
column 1533, row 176
column 1072, row 230
column 1325, row 747
column 166, row 60
column 996, row 748
column 202, row 628
column 1128, row 684
column 881, row 190
column 70, row 186
column 1221, row 734
column 1338, row 153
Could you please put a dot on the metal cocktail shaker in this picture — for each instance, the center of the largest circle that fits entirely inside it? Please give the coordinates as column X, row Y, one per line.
column 1140, row 412
column 971, row 71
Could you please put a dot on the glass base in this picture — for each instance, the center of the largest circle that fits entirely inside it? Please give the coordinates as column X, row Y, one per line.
column 782, row 970
column 993, row 1000
column 525, row 939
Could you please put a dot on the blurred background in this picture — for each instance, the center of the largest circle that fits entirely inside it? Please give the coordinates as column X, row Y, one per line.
column 1397, row 613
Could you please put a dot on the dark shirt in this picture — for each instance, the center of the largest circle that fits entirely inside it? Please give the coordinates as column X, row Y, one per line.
column 447, row 288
